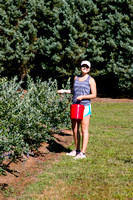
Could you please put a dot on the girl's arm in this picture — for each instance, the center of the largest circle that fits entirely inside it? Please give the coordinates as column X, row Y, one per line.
column 64, row 91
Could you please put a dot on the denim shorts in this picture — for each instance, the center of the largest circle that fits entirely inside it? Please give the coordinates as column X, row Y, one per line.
column 87, row 110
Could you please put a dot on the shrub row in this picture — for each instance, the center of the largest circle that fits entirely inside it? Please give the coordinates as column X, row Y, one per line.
column 28, row 118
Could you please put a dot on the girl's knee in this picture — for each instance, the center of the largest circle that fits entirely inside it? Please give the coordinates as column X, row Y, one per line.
column 85, row 130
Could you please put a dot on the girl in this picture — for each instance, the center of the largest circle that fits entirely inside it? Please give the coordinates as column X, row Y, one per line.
column 83, row 91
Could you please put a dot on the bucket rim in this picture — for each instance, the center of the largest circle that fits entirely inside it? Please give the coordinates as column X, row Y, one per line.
column 77, row 105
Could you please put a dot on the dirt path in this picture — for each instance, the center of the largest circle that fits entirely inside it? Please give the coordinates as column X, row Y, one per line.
column 25, row 171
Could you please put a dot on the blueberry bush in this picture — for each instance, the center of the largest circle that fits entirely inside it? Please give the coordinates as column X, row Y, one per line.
column 29, row 117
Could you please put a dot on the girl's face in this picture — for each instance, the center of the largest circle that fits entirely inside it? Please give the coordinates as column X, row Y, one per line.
column 85, row 69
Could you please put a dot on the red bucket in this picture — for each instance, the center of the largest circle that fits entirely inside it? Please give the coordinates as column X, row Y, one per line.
column 76, row 111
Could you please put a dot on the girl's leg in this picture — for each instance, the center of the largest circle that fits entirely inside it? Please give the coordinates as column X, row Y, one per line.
column 85, row 132
column 76, row 133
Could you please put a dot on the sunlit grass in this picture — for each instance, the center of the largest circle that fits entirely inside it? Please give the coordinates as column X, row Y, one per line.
column 106, row 173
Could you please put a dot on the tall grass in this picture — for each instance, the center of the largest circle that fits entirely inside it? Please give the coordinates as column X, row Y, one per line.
column 106, row 173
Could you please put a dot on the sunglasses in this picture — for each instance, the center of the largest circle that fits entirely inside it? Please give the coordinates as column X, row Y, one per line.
column 86, row 66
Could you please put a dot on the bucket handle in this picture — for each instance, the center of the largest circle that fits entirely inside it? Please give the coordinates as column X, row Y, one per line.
column 76, row 101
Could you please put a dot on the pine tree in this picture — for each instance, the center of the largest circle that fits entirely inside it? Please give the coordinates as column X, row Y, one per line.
column 56, row 35
column 110, row 39
column 18, row 36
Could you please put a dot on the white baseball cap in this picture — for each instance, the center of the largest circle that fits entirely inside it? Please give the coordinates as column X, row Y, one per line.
column 85, row 62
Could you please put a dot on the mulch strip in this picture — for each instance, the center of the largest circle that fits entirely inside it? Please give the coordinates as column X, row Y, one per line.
column 25, row 170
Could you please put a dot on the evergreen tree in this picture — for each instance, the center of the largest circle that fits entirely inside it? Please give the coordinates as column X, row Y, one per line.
column 63, row 42
column 18, row 36
column 110, row 40
column 56, row 35
column 39, row 33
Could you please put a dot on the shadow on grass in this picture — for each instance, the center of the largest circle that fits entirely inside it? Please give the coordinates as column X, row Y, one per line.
column 56, row 147
column 64, row 134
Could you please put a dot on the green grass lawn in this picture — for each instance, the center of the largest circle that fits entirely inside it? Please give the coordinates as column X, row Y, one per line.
column 106, row 173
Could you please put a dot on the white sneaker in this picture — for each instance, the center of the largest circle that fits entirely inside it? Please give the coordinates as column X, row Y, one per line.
column 73, row 153
column 80, row 156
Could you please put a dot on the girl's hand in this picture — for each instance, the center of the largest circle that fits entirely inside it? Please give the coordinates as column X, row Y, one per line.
column 60, row 91
column 79, row 98
column 64, row 91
